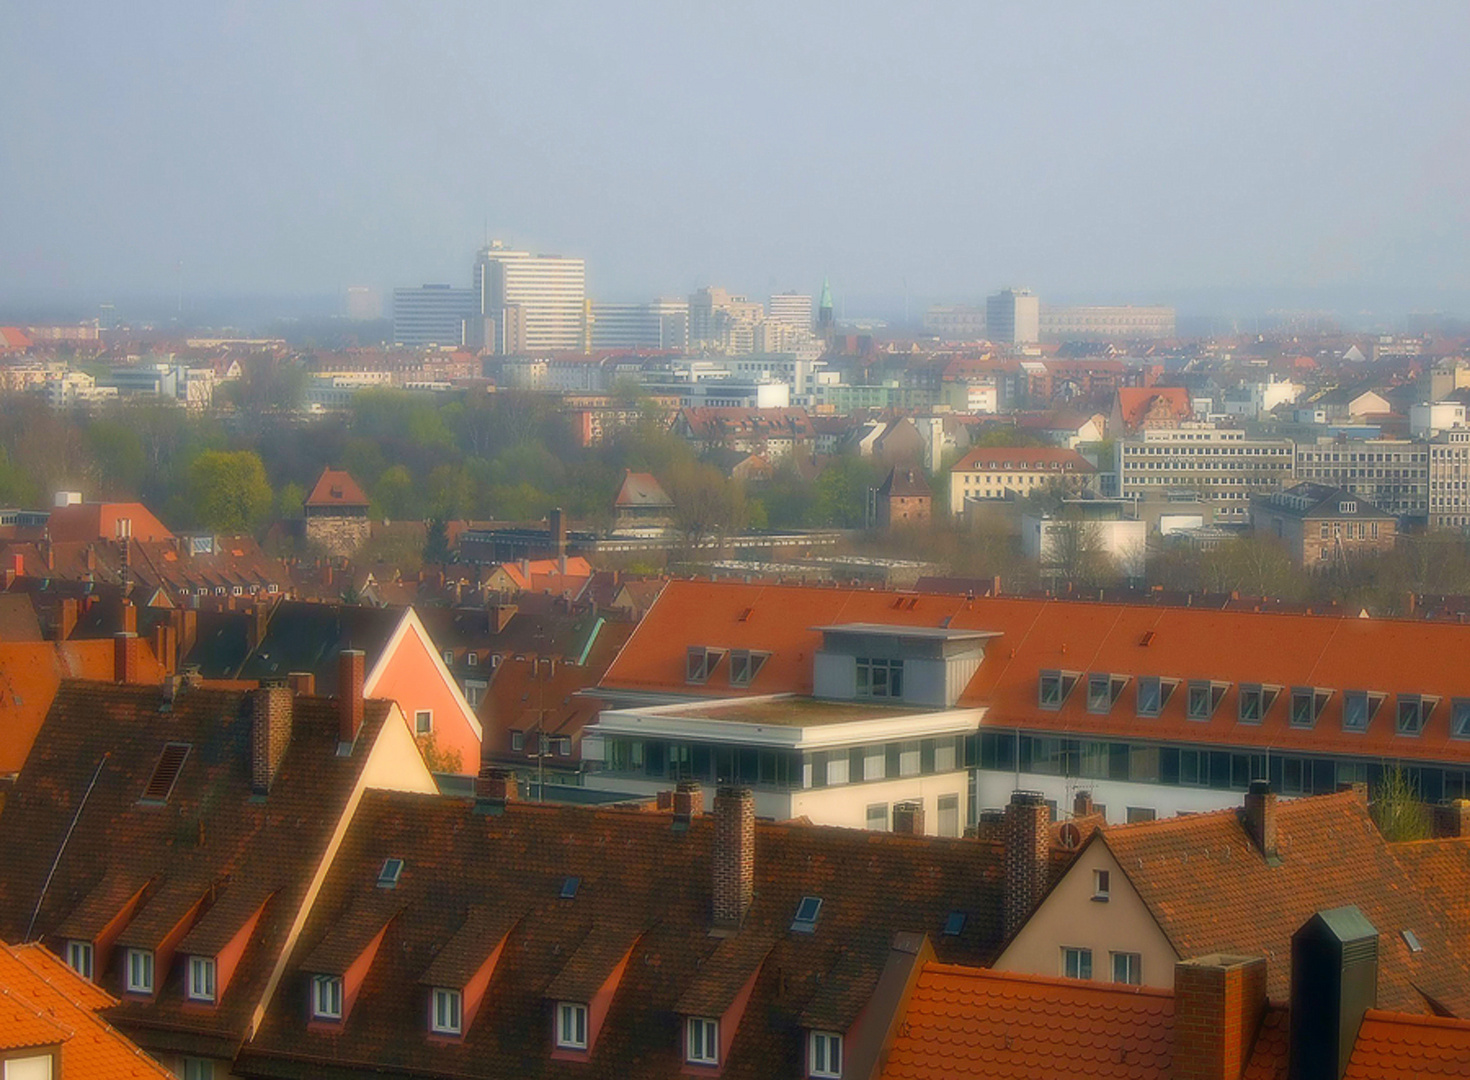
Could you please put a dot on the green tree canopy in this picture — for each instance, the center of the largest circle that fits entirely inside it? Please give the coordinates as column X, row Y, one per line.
column 228, row 490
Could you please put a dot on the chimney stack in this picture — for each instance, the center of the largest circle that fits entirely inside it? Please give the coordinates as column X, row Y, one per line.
column 351, row 673
column 165, row 645
column 1260, row 817
column 1027, row 845
column 302, row 683
column 257, row 618
column 67, row 622
column 1334, row 981
column 1082, row 804
column 125, row 658
column 734, row 856
column 129, row 618
column 494, row 788
column 270, row 732
column 908, row 818
column 1452, row 819
column 688, row 802
column 1218, row 1004
column 557, row 524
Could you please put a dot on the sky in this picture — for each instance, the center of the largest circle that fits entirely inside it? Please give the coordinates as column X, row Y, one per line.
column 1091, row 151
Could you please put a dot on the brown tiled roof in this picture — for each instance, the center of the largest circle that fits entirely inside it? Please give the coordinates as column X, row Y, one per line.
column 335, row 487
column 593, row 959
column 1441, row 868
column 484, row 927
column 631, row 865
column 724, row 973
column 1211, row 890
column 211, row 828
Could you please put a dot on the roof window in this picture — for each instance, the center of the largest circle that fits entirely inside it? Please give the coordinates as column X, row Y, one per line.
column 745, row 665
column 1307, row 703
column 1055, row 687
column 1359, row 707
column 700, row 662
column 805, row 920
column 1103, row 690
column 569, row 887
column 1460, row 718
column 954, row 925
column 1204, row 698
column 388, row 875
column 1411, row 939
column 1154, row 694
column 1414, row 711
column 1255, row 701
column 165, row 773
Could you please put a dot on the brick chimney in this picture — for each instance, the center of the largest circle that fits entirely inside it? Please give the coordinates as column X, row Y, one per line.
column 733, row 856
column 270, row 732
column 1260, row 817
column 351, row 673
column 302, row 683
column 557, row 525
column 1452, row 819
column 257, row 618
column 494, row 787
column 908, row 818
column 188, row 629
column 1027, row 845
column 688, row 802
column 129, row 618
column 165, row 646
column 67, row 620
column 1218, row 1004
column 1082, row 804
column 125, row 657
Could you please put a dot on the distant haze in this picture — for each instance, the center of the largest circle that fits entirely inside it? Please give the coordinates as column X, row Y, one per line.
column 1113, row 151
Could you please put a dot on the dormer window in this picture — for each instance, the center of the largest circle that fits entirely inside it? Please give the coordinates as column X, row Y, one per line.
column 79, row 957
column 1307, row 704
column 201, row 978
column 745, row 665
column 702, row 1041
column 1255, row 702
column 326, row 997
column 447, row 1011
column 1347, row 507
column 571, row 1026
column 1414, row 710
column 1103, row 691
column 1460, row 718
column 700, row 662
column 1054, row 688
column 138, row 971
column 448, row 657
column 1154, row 694
column 1204, row 698
column 825, row 1058
column 1358, row 709
column 471, row 659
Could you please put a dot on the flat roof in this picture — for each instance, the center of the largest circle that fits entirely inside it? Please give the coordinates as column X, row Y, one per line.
column 790, row 711
column 930, row 633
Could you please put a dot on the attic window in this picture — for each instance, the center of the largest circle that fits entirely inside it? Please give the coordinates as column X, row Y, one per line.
column 1307, row 704
column 1103, row 691
column 1255, row 702
column 1204, row 698
column 1346, row 507
column 569, row 887
column 700, row 662
column 1154, row 694
column 955, row 924
column 1411, row 939
column 165, row 773
column 745, row 665
column 1359, row 708
column 1054, row 688
column 388, row 875
column 805, row 920
column 1414, row 710
column 1460, row 718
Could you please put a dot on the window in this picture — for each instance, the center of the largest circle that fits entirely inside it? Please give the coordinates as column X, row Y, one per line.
column 326, row 997
column 1414, row 710
column 874, row 765
column 139, row 971
column 837, row 768
column 1077, row 963
column 745, row 665
column 166, row 773
column 472, row 659
column 474, row 692
column 1101, row 885
column 423, row 721
column 571, row 1026
column 954, row 924
column 79, row 957
column 702, row 1041
column 1255, row 702
column 1460, row 718
column 449, row 657
column 878, row 817
column 1054, row 688
column 909, row 758
column 1128, row 968
column 949, row 815
column 389, row 873
column 1358, row 709
column 1099, row 693
column 445, row 1017
column 826, row 1056
column 198, row 1069
column 201, row 978
column 879, row 678
column 1153, row 695
column 700, row 663
column 1135, row 814
column 1204, row 698
column 517, row 741
column 1307, row 704
column 805, row 919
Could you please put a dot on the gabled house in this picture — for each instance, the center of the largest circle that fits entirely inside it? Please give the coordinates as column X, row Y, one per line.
column 903, row 500
column 642, row 506
column 170, row 853
column 337, row 513
column 1148, row 408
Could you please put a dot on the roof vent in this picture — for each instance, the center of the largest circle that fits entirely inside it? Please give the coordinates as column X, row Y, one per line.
column 165, row 773
column 388, row 875
column 805, row 921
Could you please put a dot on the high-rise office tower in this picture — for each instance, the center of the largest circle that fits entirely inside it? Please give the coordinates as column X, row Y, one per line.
column 722, row 321
column 432, row 315
column 792, row 309
column 531, row 303
column 1013, row 317
column 659, row 324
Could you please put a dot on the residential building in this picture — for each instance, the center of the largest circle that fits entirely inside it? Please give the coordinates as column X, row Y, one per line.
column 1102, row 323
column 722, row 322
column 1449, row 480
column 1392, row 474
column 1322, row 526
column 904, row 500
column 804, row 377
column 337, row 514
column 1013, row 317
column 774, row 433
column 793, row 310
column 1149, row 408
column 1355, row 402
column 955, row 322
column 1435, row 417
column 1253, row 400
column 658, row 324
column 73, row 389
column 1005, row 472
column 1221, row 466
column 74, row 521
column 1081, row 532
column 641, row 506
column 432, row 315
column 560, row 374
column 171, row 855
column 891, row 441
column 531, row 303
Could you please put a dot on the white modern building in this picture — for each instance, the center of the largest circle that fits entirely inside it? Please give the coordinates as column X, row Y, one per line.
column 1013, row 317
column 432, row 315
column 803, row 376
column 657, row 324
column 531, row 303
column 1220, row 465
column 1123, row 540
column 1253, row 400
column 1103, row 323
column 1392, row 474
column 1431, row 418
column 793, row 310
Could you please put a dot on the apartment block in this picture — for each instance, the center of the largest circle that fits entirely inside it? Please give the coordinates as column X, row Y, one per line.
column 1392, row 474
column 1449, row 480
column 1322, row 526
column 1003, row 472
column 657, row 324
column 1222, row 466
column 1103, row 323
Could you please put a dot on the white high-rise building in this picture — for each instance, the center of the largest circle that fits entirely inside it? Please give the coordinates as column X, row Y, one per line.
column 659, row 324
column 1013, row 317
column 531, row 303
column 792, row 309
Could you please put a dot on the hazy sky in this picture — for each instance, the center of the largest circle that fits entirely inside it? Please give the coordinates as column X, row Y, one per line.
column 1112, row 149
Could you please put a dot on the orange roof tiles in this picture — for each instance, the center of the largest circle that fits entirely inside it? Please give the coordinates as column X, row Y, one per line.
column 546, row 575
column 1135, row 403
column 100, row 521
column 335, row 487
column 982, row 1024
column 42, row 1002
column 1392, row 1046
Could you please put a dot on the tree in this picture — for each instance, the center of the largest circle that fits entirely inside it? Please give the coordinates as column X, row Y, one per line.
column 291, row 502
column 1075, row 552
column 1397, row 808
column 228, row 490
column 436, row 547
column 706, row 502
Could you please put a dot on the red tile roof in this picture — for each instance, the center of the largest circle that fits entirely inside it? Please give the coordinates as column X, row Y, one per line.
column 335, row 487
column 1135, row 403
column 43, row 1002
column 1392, row 1046
column 968, row 1022
column 642, row 490
column 1024, row 459
column 99, row 521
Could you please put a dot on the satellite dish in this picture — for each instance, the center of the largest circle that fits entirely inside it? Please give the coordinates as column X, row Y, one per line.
column 1070, row 836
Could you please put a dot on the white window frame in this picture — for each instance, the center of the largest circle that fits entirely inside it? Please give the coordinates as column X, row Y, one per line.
column 79, row 957
column 1102, row 885
column 875, row 762
column 446, row 1011
column 326, row 997
column 202, row 972
column 472, row 659
column 138, row 971
column 571, row 1025
column 448, row 657
column 1084, row 960
column 418, row 725
column 824, row 1055
column 702, row 1041
column 1132, row 964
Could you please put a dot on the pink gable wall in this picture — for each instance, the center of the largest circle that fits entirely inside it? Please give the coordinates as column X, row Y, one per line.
column 412, row 678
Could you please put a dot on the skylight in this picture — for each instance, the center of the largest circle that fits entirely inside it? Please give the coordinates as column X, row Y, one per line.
column 1411, row 939
column 166, row 773
column 569, row 887
column 955, row 924
column 805, row 921
column 388, row 875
